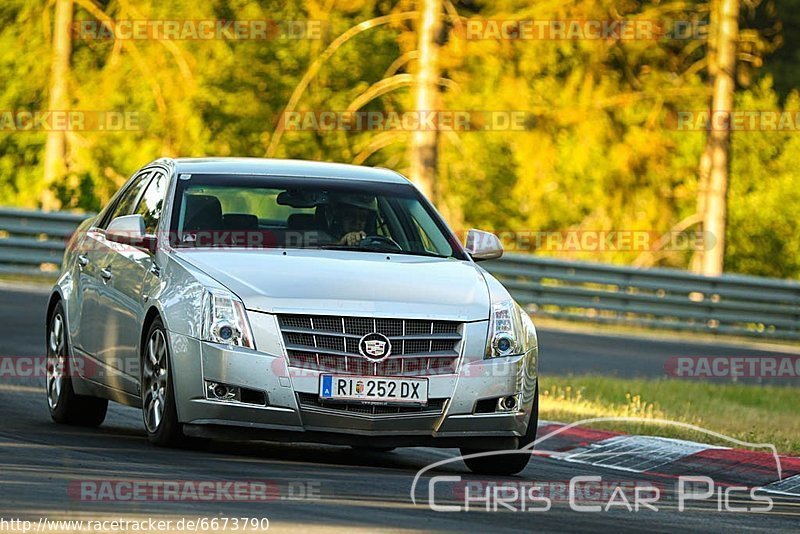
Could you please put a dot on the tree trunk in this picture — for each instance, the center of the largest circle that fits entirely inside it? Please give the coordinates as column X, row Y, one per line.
column 424, row 144
column 55, row 149
column 712, row 201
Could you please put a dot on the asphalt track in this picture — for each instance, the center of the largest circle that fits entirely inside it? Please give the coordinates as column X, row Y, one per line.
column 317, row 488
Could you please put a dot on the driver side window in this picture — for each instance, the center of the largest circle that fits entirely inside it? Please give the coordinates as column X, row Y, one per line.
column 127, row 200
column 151, row 204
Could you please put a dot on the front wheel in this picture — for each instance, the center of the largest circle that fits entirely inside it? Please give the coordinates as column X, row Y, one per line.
column 158, row 394
column 508, row 463
column 65, row 406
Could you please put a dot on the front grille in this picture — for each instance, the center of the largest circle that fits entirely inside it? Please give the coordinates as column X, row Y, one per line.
column 309, row 400
column 330, row 343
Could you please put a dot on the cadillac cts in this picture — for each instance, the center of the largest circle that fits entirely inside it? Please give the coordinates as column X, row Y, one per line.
column 290, row 301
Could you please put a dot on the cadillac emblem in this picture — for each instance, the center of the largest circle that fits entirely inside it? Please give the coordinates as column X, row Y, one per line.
column 375, row 347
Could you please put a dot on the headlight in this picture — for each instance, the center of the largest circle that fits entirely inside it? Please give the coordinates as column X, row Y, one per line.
column 225, row 321
column 511, row 331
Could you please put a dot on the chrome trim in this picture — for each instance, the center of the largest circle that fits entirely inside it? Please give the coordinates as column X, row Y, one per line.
column 319, row 343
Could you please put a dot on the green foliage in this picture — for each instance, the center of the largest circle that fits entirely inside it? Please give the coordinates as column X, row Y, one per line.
column 599, row 150
column 764, row 236
column 24, row 70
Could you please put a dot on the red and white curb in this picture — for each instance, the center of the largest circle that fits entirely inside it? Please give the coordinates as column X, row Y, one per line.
column 669, row 457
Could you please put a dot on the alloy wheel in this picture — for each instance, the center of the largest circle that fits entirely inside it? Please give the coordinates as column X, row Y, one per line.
column 56, row 360
column 155, row 381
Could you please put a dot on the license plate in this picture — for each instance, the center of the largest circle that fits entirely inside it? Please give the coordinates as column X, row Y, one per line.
column 373, row 389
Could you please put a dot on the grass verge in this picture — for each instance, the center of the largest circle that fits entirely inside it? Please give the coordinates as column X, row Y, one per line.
column 756, row 414
column 28, row 279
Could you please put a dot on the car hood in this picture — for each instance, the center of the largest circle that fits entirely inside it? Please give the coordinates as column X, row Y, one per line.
column 348, row 283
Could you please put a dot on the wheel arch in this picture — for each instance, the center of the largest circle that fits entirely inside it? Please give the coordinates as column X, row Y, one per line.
column 55, row 298
column 152, row 313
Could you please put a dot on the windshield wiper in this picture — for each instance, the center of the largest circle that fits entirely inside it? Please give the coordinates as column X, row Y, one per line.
column 382, row 250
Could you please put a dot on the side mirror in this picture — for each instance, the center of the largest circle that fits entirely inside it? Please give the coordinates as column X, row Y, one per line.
column 483, row 245
column 129, row 230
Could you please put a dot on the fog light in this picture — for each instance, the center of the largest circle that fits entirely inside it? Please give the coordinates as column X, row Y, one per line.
column 223, row 392
column 236, row 394
column 507, row 404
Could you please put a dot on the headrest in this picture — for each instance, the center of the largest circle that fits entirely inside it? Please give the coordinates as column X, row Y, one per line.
column 239, row 221
column 302, row 221
column 203, row 212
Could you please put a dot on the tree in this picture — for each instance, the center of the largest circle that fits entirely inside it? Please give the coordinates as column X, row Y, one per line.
column 424, row 143
column 55, row 148
column 712, row 199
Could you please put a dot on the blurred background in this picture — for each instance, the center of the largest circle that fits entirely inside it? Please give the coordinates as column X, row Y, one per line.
column 608, row 130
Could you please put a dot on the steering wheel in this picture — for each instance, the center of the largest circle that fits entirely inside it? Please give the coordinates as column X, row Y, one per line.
column 379, row 241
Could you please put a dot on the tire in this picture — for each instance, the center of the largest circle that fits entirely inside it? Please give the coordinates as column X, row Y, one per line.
column 506, row 464
column 159, row 411
column 65, row 406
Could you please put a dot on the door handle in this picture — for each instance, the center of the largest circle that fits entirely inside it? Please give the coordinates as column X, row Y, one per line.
column 83, row 261
column 105, row 274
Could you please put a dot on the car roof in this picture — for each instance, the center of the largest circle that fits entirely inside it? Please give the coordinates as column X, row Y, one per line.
column 286, row 168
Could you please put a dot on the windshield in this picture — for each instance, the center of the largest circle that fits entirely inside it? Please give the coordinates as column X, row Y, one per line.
column 275, row 212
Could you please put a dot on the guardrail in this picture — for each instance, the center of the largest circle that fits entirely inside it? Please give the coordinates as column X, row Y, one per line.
column 655, row 298
column 32, row 244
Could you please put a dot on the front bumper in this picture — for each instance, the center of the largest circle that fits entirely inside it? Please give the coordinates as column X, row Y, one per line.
column 292, row 414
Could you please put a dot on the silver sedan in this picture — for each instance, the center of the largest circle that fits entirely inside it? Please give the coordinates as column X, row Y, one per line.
column 290, row 301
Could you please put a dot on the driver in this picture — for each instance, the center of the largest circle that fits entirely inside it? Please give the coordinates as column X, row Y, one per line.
column 349, row 215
